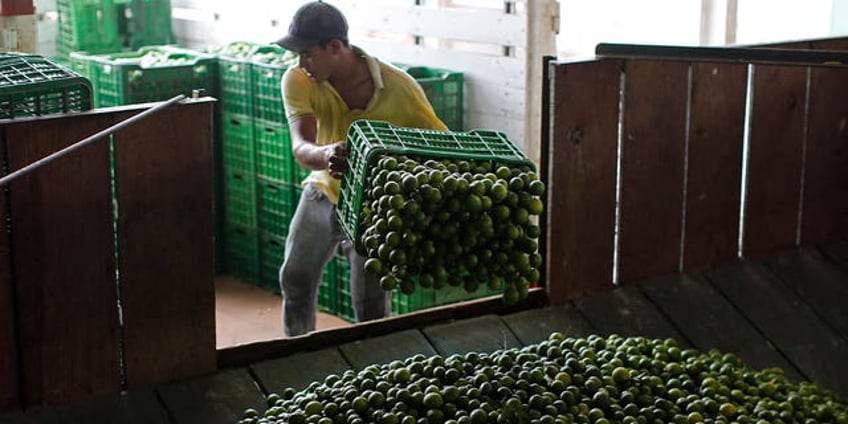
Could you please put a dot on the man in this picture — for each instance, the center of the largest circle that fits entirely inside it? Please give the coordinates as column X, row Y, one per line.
column 333, row 85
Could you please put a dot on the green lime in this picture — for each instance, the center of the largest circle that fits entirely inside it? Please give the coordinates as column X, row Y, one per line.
column 374, row 266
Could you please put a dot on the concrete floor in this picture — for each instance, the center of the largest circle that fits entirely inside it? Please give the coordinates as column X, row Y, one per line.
column 246, row 313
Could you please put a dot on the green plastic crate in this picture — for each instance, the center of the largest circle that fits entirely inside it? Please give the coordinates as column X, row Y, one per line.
column 241, row 253
column 327, row 299
column 344, row 306
column 145, row 23
column 274, row 159
column 271, row 253
column 268, row 67
column 444, row 90
column 240, row 199
column 150, row 74
column 368, row 140
column 87, row 25
column 427, row 298
column 276, row 207
column 239, row 148
column 234, row 74
column 31, row 85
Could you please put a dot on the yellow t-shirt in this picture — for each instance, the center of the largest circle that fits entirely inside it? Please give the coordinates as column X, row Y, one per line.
column 397, row 99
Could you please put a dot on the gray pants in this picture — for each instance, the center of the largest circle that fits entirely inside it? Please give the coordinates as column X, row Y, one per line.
column 314, row 235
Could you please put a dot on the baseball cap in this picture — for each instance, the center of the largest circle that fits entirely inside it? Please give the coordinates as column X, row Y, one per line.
column 312, row 24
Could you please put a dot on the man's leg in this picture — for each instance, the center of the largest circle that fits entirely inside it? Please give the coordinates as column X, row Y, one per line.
column 369, row 300
column 310, row 244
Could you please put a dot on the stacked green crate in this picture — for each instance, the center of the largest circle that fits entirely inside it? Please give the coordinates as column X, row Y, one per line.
column 241, row 241
column 235, row 122
column 87, row 25
column 428, row 298
column 108, row 26
column 344, row 306
column 146, row 23
column 273, row 154
column 31, row 85
column 444, row 90
column 150, row 74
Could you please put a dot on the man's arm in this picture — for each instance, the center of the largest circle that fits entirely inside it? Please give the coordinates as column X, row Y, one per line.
column 309, row 155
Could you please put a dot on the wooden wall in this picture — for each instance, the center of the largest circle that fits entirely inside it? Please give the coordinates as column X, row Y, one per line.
column 655, row 159
column 70, row 325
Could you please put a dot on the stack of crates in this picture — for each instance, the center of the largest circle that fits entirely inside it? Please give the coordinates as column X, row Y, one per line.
column 444, row 90
column 259, row 185
column 31, row 85
column 150, row 74
column 108, row 26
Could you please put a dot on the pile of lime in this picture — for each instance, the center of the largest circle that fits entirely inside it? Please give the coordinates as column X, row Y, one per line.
column 465, row 223
column 594, row 379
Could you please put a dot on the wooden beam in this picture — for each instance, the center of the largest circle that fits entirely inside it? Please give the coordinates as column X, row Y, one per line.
column 64, row 261
column 653, row 143
column 163, row 172
column 10, row 396
column 581, row 183
column 778, row 114
column 714, row 176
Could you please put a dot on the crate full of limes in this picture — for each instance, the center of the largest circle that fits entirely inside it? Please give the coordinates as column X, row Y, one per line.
column 439, row 209
column 150, row 74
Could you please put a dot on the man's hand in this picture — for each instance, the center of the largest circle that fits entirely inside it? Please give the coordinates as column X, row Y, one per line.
column 337, row 159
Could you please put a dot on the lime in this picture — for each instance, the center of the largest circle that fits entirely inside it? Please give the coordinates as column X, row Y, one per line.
column 388, row 282
column 535, row 207
column 536, row 187
column 373, row 266
column 433, row 400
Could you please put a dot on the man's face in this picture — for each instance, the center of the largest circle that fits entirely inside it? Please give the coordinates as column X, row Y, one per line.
column 317, row 62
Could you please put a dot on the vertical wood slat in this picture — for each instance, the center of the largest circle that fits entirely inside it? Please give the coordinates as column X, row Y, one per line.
column 8, row 344
column 653, row 147
column 64, row 265
column 774, row 159
column 825, row 206
column 165, row 239
column 717, row 121
column 581, row 185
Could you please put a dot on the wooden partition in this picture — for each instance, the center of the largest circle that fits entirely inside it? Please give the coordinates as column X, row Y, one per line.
column 98, row 296
column 656, row 157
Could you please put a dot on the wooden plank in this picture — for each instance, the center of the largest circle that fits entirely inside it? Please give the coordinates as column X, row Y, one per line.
column 787, row 321
column 774, row 159
column 818, row 282
column 384, row 349
column 253, row 352
column 536, row 325
column 840, row 43
column 627, row 312
column 64, row 262
column 652, row 174
column 581, row 211
column 716, row 130
column 486, row 333
column 711, row 322
column 10, row 397
column 220, row 398
column 134, row 407
column 825, row 205
column 298, row 370
column 838, row 253
column 165, row 238
column 772, row 55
